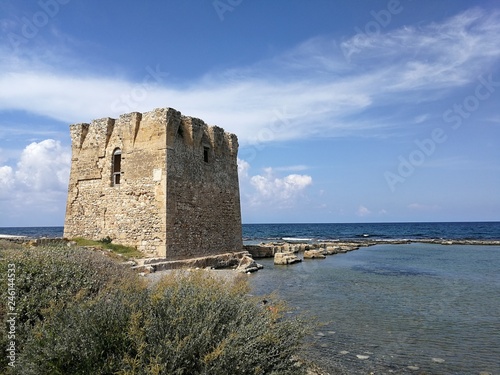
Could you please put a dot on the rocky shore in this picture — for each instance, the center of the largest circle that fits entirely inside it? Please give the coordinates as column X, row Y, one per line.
column 285, row 252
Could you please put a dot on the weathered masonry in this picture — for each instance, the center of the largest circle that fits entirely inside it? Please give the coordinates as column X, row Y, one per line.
column 160, row 181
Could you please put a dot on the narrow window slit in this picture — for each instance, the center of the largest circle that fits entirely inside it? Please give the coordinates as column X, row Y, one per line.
column 117, row 166
column 205, row 154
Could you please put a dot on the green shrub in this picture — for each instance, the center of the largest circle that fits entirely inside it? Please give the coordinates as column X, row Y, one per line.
column 50, row 279
column 198, row 326
column 87, row 338
column 186, row 324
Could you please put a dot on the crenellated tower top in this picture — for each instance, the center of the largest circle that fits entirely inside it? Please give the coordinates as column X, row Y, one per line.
column 193, row 131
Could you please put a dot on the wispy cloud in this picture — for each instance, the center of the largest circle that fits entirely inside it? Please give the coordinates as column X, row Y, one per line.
column 322, row 92
column 363, row 211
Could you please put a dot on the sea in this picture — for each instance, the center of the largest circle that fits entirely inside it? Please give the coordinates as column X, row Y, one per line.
column 416, row 308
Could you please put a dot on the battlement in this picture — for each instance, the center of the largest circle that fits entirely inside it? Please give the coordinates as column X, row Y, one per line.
column 193, row 131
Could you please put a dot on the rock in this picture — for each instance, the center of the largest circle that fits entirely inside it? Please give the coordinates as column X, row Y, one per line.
column 314, row 254
column 286, row 258
column 260, row 251
column 438, row 360
column 247, row 264
column 330, row 250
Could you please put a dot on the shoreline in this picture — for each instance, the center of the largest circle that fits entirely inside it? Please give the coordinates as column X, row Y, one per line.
column 289, row 241
column 395, row 241
column 325, row 248
column 12, row 237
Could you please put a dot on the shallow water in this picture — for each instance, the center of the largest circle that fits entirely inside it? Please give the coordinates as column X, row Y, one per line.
column 396, row 308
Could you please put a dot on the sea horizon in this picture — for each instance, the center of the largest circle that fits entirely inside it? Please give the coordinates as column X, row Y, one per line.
column 305, row 222
column 262, row 232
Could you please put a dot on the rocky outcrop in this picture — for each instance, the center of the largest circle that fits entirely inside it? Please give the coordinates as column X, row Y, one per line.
column 269, row 250
column 260, row 251
column 286, row 258
column 228, row 260
column 248, row 265
column 314, row 254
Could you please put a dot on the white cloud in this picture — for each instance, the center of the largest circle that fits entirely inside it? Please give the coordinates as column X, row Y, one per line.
column 44, row 166
column 243, row 168
column 33, row 192
column 281, row 189
column 6, row 181
column 271, row 189
column 363, row 211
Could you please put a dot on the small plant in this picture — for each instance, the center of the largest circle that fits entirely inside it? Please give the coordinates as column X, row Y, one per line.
column 106, row 240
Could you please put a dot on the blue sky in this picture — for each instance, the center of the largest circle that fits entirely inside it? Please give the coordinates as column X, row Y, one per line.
column 346, row 111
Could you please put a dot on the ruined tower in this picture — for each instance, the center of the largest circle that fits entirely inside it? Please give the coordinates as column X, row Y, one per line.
column 160, row 181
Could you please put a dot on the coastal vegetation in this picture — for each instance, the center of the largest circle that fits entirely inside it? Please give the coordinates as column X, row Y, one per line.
column 78, row 311
column 106, row 243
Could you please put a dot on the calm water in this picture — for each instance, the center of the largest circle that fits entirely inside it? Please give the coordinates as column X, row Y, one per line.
column 429, row 306
column 33, row 232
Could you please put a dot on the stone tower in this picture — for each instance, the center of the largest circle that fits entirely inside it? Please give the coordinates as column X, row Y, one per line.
column 160, row 181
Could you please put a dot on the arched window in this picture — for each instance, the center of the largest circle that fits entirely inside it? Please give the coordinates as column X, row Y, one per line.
column 117, row 166
column 206, row 151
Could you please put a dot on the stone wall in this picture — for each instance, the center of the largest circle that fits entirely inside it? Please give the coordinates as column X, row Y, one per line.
column 177, row 196
column 203, row 204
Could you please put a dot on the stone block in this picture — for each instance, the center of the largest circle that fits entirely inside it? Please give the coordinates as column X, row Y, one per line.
column 286, row 258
